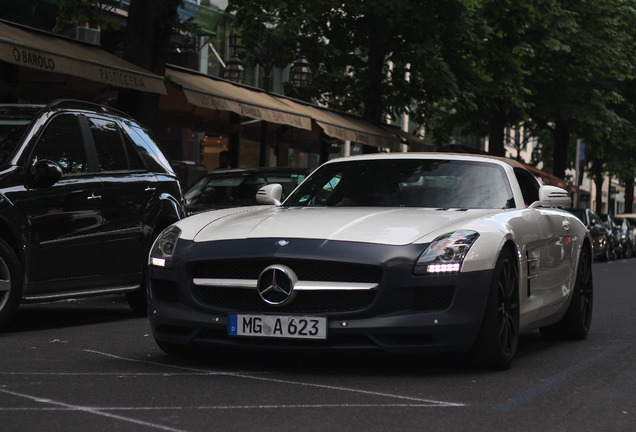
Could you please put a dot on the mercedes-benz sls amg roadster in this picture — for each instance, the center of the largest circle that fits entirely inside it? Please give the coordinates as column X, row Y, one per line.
column 403, row 252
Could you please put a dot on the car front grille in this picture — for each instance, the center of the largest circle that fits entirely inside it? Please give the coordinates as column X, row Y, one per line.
column 314, row 301
column 305, row 270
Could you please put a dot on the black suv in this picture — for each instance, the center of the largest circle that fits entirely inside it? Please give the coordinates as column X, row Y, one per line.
column 83, row 192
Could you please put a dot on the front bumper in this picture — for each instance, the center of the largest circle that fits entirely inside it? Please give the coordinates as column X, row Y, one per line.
column 406, row 313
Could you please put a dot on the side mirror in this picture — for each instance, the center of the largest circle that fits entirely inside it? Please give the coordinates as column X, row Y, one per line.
column 552, row 196
column 270, row 194
column 45, row 173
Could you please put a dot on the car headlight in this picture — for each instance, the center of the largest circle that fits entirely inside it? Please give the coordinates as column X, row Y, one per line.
column 163, row 248
column 446, row 253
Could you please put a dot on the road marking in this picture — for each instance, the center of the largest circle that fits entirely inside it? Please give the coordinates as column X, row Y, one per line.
column 91, row 410
column 429, row 402
column 208, row 407
column 108, row 412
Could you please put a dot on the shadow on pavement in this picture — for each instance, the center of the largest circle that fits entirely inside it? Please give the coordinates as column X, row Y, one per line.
column 69, row 313
column 348, row 363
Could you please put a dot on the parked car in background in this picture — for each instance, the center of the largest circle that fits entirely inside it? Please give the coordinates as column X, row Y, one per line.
column 84, row 190
column 188, row 172
column 403, row 252
column 626, row 236
column 613, row 237
column 238, row 187
column 599, row 232
column 629, row 217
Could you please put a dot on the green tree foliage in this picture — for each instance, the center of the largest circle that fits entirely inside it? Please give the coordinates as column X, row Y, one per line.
column 85, row 12
column 374, row 58
column 473, row 66
column 563, row 68
column 585, row 56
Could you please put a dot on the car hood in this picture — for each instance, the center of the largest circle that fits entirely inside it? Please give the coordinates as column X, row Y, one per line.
column 391, row 226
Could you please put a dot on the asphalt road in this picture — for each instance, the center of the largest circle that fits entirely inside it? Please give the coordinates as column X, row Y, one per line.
column 91, row 366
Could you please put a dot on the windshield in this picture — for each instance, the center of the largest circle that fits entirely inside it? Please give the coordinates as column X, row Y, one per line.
column 13, row 125
column 406, row 183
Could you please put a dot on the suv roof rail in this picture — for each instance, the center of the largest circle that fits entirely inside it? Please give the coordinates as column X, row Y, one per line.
column 80, row 104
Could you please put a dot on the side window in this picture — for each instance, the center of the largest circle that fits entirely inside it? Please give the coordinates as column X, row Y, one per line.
column 113, row 153
column 133, row 155
column 594, row 220
column 62, row 143
column 109, row 145
column 529, row 186
column 155, row 160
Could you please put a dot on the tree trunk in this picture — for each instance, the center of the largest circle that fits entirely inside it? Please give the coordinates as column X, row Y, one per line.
column 629, row 194
column 149, row 28
column 497, row 128
column 376, row 61
column 597, row 171
column 561, row 136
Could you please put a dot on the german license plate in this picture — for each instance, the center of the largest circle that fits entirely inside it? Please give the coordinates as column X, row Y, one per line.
column 278, row 326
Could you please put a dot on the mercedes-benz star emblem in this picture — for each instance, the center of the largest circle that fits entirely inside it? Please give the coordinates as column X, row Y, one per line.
column 276, row 285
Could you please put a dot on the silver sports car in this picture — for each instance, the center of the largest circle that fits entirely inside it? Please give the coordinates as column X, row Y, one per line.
column 403, row 252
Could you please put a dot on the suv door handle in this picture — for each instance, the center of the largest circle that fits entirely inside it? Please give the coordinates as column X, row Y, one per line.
column 150, row 189
column 93, row 196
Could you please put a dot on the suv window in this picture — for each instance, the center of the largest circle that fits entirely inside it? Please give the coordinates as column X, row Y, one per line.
column 134, row 159
column 154, row 159
column 109, row 146
column 62, row 143
column 113, row 153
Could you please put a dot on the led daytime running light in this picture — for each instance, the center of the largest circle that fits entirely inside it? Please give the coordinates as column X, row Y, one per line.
column 446, row 253
column 163, row 248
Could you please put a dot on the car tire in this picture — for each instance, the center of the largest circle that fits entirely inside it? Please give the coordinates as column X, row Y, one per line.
column 629, row 251
column 497, row 342
column 11, row 281
column 578, row 318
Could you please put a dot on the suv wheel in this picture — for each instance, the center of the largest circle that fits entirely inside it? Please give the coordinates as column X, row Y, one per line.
column 10, row 283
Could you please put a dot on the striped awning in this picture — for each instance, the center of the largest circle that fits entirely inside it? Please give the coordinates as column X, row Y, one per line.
column 208, row 92
column 31, row 48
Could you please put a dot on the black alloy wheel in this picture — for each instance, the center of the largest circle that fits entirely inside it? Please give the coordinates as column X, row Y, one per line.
column 580, row 311
column 497, row 343
column 578, row 319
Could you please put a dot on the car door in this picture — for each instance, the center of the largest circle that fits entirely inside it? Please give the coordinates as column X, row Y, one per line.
column 548, row 251
column 63, row 244
column 128, row 190
column 552, row 284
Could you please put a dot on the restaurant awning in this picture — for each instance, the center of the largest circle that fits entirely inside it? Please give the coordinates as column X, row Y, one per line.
column 35, row 49
column 213, row 93
column 346, row 127
column 208, row 92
